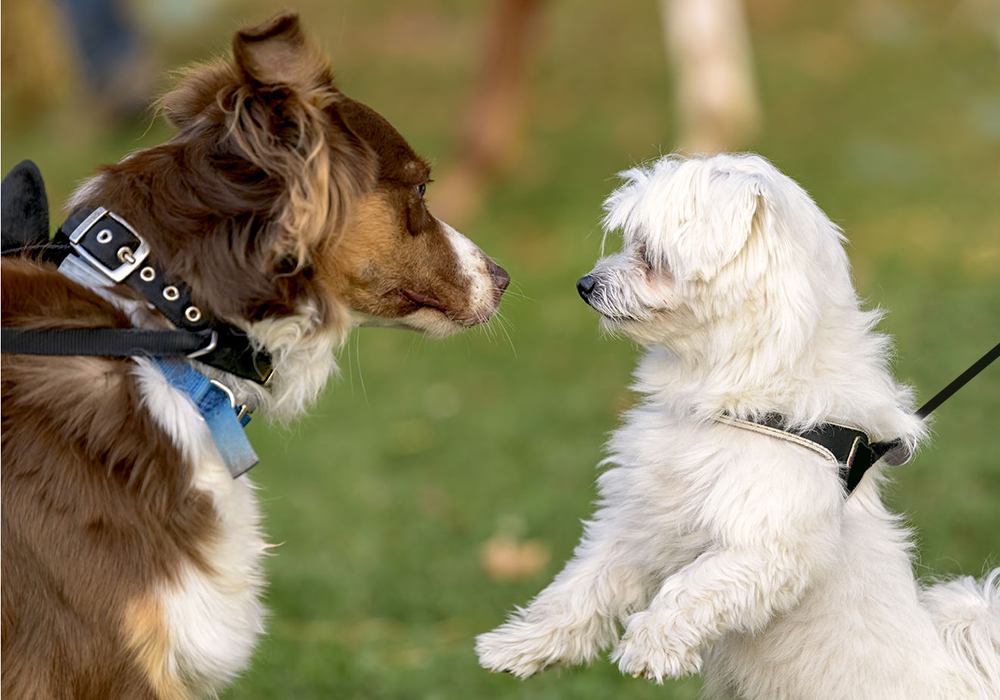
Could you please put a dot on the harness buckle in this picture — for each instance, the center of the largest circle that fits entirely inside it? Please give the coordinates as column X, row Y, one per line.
column 130, row 260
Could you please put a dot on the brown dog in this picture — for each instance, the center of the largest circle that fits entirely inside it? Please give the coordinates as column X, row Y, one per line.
column 131, row 557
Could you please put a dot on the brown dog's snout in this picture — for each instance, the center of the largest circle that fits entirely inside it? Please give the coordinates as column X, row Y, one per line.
column 500, row 277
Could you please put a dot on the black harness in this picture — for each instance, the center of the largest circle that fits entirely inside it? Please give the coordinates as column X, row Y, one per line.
column 854, row 449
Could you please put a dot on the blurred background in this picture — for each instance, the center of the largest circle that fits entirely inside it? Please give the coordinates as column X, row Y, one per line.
column 437, row 484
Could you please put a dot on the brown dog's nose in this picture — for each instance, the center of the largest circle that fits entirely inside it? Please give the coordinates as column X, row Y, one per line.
column 500, row 277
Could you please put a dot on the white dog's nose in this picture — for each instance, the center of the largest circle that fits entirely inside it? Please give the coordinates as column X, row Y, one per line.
column 585, row 285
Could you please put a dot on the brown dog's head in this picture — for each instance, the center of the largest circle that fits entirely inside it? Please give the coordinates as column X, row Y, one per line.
column 398, row 265
column 294, row 212
column 281, row 197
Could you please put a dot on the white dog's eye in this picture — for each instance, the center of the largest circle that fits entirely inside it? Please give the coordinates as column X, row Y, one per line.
column 643, row 256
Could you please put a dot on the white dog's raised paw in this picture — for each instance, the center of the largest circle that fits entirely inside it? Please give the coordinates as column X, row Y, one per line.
column 499, row 652
column 525, row 649
column 648, row 651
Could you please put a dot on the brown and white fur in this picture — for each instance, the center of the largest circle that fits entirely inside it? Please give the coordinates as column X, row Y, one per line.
column 131, row 559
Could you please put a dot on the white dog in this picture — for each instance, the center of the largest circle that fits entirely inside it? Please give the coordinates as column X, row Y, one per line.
column 732, row 551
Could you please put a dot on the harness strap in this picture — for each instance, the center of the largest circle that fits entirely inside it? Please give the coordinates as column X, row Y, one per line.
column 105, row 342
column 853, row 449
column 850, row 448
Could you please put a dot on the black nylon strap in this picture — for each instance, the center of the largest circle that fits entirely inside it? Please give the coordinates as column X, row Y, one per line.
column 862, row 457
column 233, row 352
column 104, row 342
column 170, row 296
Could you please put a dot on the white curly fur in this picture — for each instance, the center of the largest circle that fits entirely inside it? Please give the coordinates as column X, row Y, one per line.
column 722, row 550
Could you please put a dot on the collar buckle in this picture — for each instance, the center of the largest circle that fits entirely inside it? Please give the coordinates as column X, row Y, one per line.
column 107, row 248
column 130, row 254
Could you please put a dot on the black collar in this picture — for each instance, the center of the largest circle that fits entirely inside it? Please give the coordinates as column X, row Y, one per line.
column 108, row 244
column 852, row 449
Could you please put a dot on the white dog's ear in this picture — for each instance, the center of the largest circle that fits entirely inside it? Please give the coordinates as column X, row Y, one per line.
column 723, row 222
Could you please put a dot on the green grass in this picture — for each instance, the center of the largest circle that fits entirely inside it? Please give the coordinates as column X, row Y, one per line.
column 383, row 496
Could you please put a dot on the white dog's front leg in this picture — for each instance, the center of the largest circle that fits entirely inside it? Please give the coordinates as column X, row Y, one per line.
column 572, row 620
column 720, row 591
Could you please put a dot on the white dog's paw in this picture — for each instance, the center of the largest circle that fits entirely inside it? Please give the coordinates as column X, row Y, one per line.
column 648, row 650
column 526, row 648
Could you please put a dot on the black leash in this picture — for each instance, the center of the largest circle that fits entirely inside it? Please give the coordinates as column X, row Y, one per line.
column 105, row 342
column 880, row 449
column 963, row 379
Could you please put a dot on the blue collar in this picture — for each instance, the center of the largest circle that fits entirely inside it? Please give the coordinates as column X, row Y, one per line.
column 216, row 407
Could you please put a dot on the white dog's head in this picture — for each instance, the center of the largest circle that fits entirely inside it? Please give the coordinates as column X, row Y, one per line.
column 729, row 266
column 723, row 240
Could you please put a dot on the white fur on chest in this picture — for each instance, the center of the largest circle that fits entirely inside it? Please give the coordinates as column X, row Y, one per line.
column 213, row 617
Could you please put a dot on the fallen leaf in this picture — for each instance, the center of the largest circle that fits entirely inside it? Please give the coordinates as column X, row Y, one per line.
column 506, row 559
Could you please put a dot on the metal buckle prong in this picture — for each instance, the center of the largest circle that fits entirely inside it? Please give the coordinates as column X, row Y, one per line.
column 240, row 410
column 213, row 341
column 227, row 391
column 129, row 264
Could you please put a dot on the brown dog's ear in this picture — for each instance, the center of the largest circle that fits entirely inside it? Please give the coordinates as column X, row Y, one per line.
column 275, row 135
column 271, row 56
column 197, row 91
column 278, row 53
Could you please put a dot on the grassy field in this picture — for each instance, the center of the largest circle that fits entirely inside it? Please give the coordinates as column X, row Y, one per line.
column 383, row 498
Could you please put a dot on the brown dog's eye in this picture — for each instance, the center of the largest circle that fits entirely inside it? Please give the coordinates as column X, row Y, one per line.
column 422, row 189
